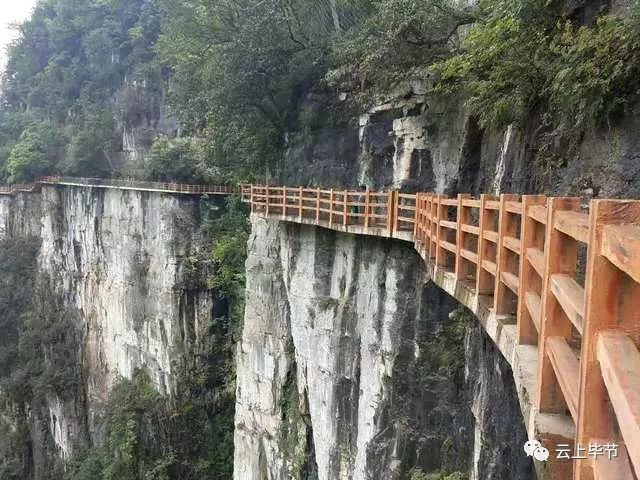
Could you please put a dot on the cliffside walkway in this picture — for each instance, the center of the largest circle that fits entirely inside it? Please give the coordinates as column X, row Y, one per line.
column 122, row 184
column 556, row 285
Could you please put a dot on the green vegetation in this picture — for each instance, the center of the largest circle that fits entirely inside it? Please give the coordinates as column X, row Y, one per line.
column 150, row 436
column 39, row 351
column 524, row 56
column 65, row 82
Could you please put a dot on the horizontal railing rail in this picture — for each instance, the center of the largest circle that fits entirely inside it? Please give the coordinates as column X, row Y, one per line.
column 524, row 254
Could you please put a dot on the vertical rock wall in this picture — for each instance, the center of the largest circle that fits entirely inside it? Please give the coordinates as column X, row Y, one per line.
column 337, row 375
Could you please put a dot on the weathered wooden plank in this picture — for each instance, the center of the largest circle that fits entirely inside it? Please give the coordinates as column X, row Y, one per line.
column 512, row 244
column 448, row 224
column 536, row 259
column 470, row 202
column 489, row 266
column 470, row 229
column 573, row 223
column 538, row 213
column 621, row 246
column 570, row 295
column 511, row 281
column 490, row 235
column 567, row 369
column 514, row 207
column 469, row 255
column 448, row 246
column 620, row 365
column 534, row 306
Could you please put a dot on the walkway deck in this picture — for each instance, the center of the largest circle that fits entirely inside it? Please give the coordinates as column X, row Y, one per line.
column 556, row 286
column 122, row 184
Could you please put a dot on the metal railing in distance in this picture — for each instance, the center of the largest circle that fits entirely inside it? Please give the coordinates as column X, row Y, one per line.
column 171, row 187
column 525, row 254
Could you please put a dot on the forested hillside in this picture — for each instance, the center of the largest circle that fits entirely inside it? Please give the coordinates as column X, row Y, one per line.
column 209, row 89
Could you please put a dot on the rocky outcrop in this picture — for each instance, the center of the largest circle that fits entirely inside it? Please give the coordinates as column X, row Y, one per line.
column 352, row 327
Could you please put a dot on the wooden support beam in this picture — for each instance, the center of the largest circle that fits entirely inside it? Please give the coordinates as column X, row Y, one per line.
column 612, row 301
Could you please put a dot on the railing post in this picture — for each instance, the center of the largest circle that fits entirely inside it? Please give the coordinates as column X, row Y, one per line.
column 331, row 208
column 300, row 205
column 561, row 256
column 345, row 208
column 532, row 236
column 416, row 220
column 485, row 281
column 267, row 192
column 462, row 218
column 506, row 227
column 366, row 208
column 433, row 237
column 440, row 253
column 251, row 197
column 318, row 205
column 284, row 201
column 391, row 211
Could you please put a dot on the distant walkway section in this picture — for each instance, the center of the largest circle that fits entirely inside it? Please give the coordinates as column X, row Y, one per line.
column 122, row 184
column 555, row 283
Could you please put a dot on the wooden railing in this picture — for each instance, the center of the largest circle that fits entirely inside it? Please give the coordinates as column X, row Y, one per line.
column 568, row 274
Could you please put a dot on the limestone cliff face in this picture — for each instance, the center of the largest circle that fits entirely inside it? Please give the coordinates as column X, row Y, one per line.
column 121, row 259
column 337, row 376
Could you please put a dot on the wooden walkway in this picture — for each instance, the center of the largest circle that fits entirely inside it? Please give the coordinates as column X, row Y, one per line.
column 122, row 184
column 555, row 283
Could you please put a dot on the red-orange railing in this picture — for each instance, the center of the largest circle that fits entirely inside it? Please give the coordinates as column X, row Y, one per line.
column 568, row 274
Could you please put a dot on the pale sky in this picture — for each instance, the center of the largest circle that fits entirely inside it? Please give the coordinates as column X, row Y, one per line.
column 11, row 11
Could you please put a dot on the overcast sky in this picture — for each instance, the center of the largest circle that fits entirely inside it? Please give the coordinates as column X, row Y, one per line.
column 11, row 11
